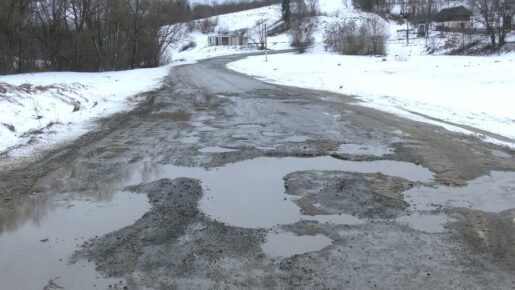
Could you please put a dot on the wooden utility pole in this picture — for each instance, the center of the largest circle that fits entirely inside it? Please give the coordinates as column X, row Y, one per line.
column 266, row 44
column 407, row 31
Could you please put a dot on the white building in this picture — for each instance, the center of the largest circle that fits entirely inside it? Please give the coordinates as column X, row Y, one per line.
column 453, row 19
column 227, row 40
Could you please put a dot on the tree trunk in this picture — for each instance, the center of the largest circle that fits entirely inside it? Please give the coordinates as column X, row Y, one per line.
column 135, row 36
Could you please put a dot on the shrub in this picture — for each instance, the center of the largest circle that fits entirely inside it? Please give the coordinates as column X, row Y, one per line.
column 368, row 38
column 208, row 25
column 189, row 45
column 301, row 35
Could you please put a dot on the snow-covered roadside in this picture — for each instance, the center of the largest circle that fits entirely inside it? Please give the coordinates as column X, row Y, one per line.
column 41, row 109
column 473, row 91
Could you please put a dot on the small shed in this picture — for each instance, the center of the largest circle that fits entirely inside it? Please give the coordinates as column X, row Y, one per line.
column 227, row 40
column 453, row 19
column 422, row 25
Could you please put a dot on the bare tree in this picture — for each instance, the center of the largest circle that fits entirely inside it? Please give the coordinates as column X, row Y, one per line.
column 301, row 34
column 257, row 34
column 96, row 35
column 493, row 15
column 312, row 7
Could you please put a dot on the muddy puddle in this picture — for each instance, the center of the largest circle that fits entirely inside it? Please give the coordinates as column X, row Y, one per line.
column 217, row 150
column 251, row 193
column 36, row 253
column 297, row 139
column 361, row 149
column 491, row 193
column 287, row 244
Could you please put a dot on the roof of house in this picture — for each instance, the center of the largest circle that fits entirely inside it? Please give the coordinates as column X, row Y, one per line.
column 459, row 13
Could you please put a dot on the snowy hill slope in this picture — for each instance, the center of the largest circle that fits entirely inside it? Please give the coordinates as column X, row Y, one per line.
column 227, row 22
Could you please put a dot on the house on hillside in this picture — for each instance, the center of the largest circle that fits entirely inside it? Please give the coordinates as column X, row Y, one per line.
column 234, row 39
column 453, row 19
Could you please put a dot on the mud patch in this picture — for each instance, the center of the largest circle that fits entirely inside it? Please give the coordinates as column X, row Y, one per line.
column 178, row 116
column 363, row 195
column 491, row 234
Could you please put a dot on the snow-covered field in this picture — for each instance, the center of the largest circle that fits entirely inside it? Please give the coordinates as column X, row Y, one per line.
column 44, row 108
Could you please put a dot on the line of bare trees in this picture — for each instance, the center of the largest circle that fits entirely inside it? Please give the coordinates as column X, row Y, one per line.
column 495, row 17
column 85, row 35
column 352, row 38
column 95, row 35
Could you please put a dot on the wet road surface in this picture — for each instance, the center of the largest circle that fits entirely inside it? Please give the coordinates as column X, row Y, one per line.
column 218, row 180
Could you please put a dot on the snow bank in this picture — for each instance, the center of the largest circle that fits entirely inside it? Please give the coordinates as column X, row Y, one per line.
column 44, row 108
column 473, row 91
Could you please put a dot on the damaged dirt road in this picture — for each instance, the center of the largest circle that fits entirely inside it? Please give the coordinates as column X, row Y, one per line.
column 221, row 181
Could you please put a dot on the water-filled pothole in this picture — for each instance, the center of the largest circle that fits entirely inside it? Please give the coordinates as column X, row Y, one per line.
column 491, row 193
column 287, row 244
column 38, row 251
column 217, row 150
column 251, row 193
column 357, row 149
column 247, row 194
column 297, row 139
